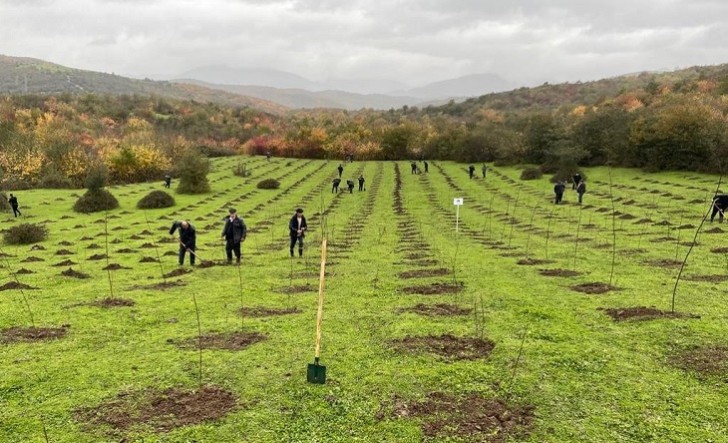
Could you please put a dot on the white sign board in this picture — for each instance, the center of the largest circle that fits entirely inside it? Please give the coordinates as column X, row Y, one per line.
column 458, row 201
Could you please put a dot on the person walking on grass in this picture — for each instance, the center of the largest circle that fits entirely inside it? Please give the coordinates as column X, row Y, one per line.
column 335, row 185
column 471, row 171
column 340, row 169
column 187, row 240
column 559, row 189
column 413, row 167
column 297, row 228
column 575, row 180
column 350, row 185
column 581, row 190
column 427, row 166
column 484, row 169
column 234, row 233
column 13, row 200
column 361, row 183
column 167, row 181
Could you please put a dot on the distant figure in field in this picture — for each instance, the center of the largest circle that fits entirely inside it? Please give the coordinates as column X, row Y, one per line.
column 335, row 185
column 581, row 189
column 350, row 185
column 167, row 181
column 267, row 155
column 361, row 183
column 559, row 189
column 340, row 169
column 471, row 171
column 427, row 166
column 484, row 169
column 13, row 200
column 720, row 205
column 187, row 240
column 234, row 233
column 413, row 167
column 575, row 180
column 297, row 228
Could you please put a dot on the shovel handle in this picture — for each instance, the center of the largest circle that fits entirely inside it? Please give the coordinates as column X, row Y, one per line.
column 320, row 313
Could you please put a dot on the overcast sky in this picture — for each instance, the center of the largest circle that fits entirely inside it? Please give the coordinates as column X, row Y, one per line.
column 414, row 41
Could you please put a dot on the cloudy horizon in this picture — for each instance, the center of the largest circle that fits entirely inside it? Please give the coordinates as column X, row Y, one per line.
column 526, row 42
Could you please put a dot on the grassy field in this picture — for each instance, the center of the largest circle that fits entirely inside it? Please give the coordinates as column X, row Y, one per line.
column 428, row 334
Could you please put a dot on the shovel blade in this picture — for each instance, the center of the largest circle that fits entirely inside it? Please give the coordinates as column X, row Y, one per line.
column 316, row 373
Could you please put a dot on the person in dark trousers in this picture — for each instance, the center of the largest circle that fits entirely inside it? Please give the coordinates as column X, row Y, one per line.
column 297, row 227
column 575, row 180
column 484, row 169
column 13, row 200
column 187, row 240
column 361, row 183
column 471, row 171
column 167, row 181
column 720, row 205
column 413, row 167
column 427, row 166
column 559, row 189
column 581, row 190
column 350, row 185
column 340, row 169
column 234, row 233
column 267, row 155
column 335, row 185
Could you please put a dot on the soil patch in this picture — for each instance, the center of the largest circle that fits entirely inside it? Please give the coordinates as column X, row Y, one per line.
column 262, row 311
column 715, row 230
column 707, row 278
column 114, row 267
column 665, row 263
column 593, row 288
column 125, row 251
column 23, row 271
column 469, row 418
column 96, row 257
column 722, row 250
column 37, row 248
column 434, row 288
column 31, row 259
column 436, row 310
column 148, row 246
column 15, row 285
column 170, row 254
column 417, row 256
column 447, row 346
column 65, row 243
column 533, row 262
column 163, row 411
column 559, row 273
column 705, row 360
column 688, row 226
column 423, row 273
column 234, row 341
column 642, row 313
column 111, row 302
column 93, row 246
column 296, row 289
column 160, row 286
column 177, row 272
column 148, row 260
column 20, row 334
column 643, row 221
column 209, row 264
column 75, row 274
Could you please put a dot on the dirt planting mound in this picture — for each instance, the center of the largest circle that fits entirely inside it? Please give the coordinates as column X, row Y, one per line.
column 23, row 271
column 417, row 256
column 643, row 221
column 114, row 267
column 209, row 264
column 593, row 288
column 721, row 250
column 148, row 260
column 470, row 418
column 417, row 273
column 163, row 411
column 434, row 288
column 37, row 248
column 125, row 251
column 170, row 254
column 533, row 262
column 65, row 263
column 297, row 289
column 112, row 302
column 93, row 246
column 665, row 263
column 64, row 243
column 235, row 341
column 75, row 274
column 97, row 257
column 715, row 230
column 20, row 334
column 177, row 272
column 705, row 360
column 148, row 246
column 15, row 285
column 31, row 259
column 642, row 313
column 707, row 278
column 688, row 226
column 160, row 286
column 436, row 310
column 262, row 311
column 446, row 346
column 559, row 273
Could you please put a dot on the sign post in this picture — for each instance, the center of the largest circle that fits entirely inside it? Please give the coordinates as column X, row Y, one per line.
column 457, row 202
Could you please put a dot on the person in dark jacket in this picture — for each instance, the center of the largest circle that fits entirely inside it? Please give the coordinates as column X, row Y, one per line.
column 297, row 228
column 581, row 190
column 340, row 169
column 361, row 183
column 350, row 185
column 335, row 185
column 484, row 169
column 187, row 240
column 720, row 205
column 471, row 171
column 13, row 200
column 427, row 166
column 267, row 155
column 575, row 180
column 167, row 181
column 559, row 189
column 413, row 167
column 234, row 233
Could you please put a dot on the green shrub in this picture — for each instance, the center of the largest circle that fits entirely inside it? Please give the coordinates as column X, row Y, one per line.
column 95, row 201
column 156, row 200
column 531, row 173
column 4, row 204
column 192, row 170
column 269, row 183
column 25, row 234
column 241, row 170
column 56, row 181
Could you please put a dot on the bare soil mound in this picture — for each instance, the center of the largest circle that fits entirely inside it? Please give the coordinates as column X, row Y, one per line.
column 417, row 273
column 434, row 288
column 593, row 288
column 177, row 272
column 15, row 285
column 20, row 334
column 262, row 311
column 234, row 341
column 112, row 302
column 559, row 273
column 446, row 346
column 643, row 313
column 705, row 360
column 437, row 310
column 75, row 274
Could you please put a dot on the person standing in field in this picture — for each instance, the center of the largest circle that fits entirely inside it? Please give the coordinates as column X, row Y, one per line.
column 234, row 233
column 413, row 167
column 167, row 181
column 335, row 185
column 297, row 228
column 340, row 169
column 187, row 240
column 581, row 190
column 361, row 182
column 267, row 155
column 13, row 200
column 484, row 168
column 559, row 189
column 471, row 171
column 427, row 166
column 575, row 180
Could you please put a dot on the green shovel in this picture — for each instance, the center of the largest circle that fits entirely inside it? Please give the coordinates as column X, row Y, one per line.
column 317, row 373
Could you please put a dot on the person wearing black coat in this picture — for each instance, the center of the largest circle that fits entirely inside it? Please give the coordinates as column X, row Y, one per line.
column 413, row 167
column 234, row 233
column 335, row 185
column 13, row 200
column 427, row 166
column 471, row 171
column 361, row 182
column 484, row 169
column 350, row 185
column 187, row 240
column 340, row 169
column 575, row 180
column 167, row 181
column 297, row 229
column 559, row 189
column 720, row 205
column 581, row 190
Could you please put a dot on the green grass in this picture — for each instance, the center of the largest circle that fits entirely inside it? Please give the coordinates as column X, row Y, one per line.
column 589, row 379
